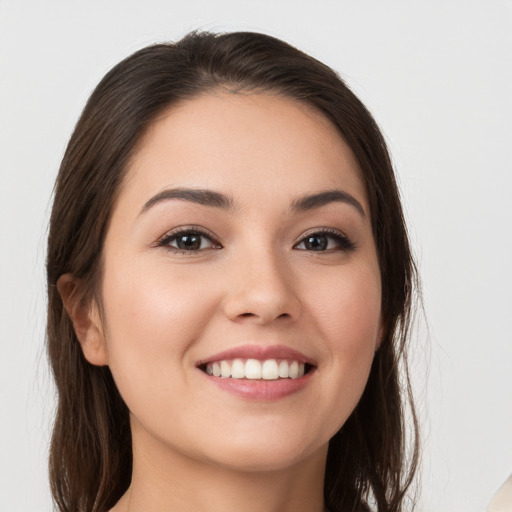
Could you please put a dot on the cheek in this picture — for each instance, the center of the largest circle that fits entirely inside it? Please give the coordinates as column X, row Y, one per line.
column 348, row 310
column 349, row 318
column 152, row 319
column 154, row 316
column 150, row 306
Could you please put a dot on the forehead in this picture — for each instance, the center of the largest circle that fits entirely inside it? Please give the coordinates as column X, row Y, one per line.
column 243, row 143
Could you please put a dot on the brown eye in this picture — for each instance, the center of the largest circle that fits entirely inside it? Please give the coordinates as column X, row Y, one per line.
column 326, row 241
column 188, row 241
column 316, row 243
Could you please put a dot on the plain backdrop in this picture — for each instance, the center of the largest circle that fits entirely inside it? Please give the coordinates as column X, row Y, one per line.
column 437, row 75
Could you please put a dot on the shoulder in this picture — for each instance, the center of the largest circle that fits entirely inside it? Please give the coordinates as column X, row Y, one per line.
column 502, row 500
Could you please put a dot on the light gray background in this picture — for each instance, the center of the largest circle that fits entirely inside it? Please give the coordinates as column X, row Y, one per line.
column 437, row 76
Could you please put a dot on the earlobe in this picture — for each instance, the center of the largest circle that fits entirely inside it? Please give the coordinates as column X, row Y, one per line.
column 86, row 320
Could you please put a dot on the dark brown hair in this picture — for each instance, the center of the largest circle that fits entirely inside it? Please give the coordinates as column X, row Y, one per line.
column 368, row 464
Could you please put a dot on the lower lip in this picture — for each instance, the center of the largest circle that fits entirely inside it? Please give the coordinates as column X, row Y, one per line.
column 262, row 390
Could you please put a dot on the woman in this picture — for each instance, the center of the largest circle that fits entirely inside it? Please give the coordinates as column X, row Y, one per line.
column 230, row 288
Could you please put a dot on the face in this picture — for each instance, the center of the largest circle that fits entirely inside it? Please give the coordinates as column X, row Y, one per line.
column 241, row 290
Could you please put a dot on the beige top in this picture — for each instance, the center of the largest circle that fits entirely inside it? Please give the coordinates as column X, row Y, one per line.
column 502, row 500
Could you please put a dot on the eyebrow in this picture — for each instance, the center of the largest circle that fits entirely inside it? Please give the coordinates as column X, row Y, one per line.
column 199, row 196
column 214, row 199
column 312, row 201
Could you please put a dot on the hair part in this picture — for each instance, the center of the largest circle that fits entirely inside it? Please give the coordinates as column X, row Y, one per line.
column 90, row 454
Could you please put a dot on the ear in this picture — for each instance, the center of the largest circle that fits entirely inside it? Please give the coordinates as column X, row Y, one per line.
column 86, row 320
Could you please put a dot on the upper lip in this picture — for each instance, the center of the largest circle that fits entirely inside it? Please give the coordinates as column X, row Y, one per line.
column 260, row 352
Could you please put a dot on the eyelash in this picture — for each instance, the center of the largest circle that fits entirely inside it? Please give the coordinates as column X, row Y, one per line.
column 191, row 230
column 343, row 242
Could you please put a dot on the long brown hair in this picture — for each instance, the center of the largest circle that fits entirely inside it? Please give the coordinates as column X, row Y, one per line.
column 368, row 464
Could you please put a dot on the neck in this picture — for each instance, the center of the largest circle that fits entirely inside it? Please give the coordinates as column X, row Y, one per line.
column 164, row 482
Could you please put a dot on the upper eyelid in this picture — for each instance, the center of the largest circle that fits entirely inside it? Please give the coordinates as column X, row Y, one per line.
column 333, row 232
column 188, row 229
column 323, row 231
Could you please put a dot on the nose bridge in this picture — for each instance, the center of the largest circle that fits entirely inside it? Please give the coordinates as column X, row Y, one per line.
column 262, row 287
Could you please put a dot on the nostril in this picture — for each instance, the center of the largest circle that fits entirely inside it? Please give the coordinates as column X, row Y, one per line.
column 282, row 315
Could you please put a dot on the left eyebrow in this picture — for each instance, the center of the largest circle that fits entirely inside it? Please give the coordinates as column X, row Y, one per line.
column 312, row 201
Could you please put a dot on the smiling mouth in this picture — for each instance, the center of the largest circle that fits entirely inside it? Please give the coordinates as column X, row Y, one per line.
column 254, row 369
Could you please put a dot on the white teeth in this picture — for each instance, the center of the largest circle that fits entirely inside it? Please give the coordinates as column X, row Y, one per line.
column 238, row 369
column 225, row 370
column 270, row 370
column 284, row 369
column 294, row 370
column 252, row 369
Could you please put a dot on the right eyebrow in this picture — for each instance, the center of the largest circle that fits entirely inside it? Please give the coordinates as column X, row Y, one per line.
column 200, row 196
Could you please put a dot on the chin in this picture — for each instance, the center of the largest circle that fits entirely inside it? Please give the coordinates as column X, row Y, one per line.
column 265, row 455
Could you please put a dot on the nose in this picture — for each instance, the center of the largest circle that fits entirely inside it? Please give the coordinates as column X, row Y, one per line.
column 261, row 290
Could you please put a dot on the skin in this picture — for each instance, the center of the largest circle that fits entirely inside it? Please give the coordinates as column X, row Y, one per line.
column 196, row 446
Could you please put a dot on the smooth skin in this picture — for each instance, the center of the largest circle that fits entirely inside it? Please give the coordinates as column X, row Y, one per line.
column 262, row 274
